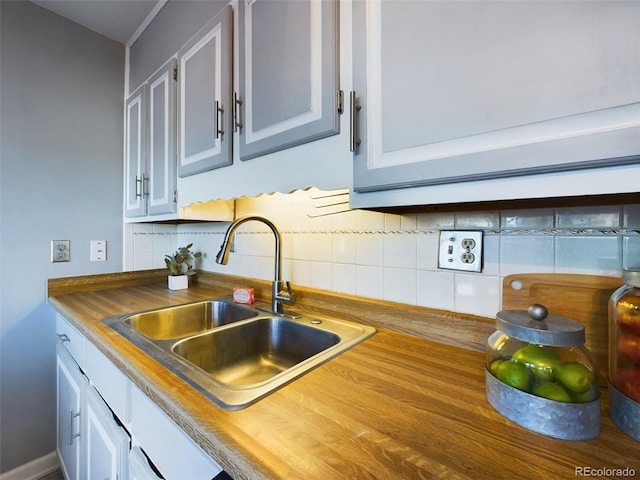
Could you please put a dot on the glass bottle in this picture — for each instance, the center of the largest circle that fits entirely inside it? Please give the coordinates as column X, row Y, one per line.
column 624, row 354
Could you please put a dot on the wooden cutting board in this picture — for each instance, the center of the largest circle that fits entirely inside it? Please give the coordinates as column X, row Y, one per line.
column 584, row 298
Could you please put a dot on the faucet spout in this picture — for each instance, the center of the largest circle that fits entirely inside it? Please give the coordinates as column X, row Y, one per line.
column 278, row 294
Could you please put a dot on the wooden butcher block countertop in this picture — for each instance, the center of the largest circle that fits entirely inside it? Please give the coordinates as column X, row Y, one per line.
column 394, row 407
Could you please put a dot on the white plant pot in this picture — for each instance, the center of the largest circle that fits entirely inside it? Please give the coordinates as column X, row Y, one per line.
column 178, row 282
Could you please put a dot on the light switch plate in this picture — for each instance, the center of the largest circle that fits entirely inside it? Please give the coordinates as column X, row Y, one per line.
column 98, row 251
column 460, row 250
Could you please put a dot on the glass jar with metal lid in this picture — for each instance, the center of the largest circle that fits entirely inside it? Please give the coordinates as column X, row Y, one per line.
column 624, row 354
column 540, row 375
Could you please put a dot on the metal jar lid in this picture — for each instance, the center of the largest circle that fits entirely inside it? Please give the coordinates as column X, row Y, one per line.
column 631, row 277
column 537, row 326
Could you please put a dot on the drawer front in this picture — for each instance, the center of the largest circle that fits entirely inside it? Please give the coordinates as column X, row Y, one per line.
column 109, row 381
column 72, row 340
column 169, row 448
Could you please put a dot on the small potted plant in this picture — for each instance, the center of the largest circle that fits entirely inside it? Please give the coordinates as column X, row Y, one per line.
column 180, row 266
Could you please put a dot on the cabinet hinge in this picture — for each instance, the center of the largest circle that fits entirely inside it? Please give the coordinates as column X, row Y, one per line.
column 340, row 102
column 175, row 73
column 175, row 196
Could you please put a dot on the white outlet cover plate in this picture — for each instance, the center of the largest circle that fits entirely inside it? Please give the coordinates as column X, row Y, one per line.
column 450, row 250
column 98, row 251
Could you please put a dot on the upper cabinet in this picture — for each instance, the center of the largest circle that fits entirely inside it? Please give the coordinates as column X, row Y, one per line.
column 454, row 92
column 135, row 153
column 150, row 159
column 288, row 74
column 205, row 131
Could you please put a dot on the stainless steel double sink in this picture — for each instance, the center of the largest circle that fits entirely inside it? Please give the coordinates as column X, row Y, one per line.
column 236, row 354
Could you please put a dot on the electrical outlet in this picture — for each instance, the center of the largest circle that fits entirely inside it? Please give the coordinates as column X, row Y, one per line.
column 460, row 250
column 60, row 251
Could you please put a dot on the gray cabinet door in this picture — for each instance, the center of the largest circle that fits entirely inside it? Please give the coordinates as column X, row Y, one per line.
column 204, row 97
column 288, row 74
column 162, row 133
column 458, row 91
column 135, row 156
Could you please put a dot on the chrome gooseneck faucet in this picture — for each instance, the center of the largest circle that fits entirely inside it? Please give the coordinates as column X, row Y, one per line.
column 278, row 295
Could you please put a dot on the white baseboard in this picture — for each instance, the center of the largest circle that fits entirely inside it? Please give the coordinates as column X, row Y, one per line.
column 34, row 469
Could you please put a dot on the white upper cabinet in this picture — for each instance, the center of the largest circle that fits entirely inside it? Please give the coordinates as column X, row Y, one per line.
column 288, row 66
column 135, row 157
column 150, row 159
column 205, row 130
column 162, row 138
column 452, row 92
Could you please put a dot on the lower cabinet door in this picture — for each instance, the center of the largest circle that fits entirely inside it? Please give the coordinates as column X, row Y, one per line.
column 106, row 443
column 139, row 468
column 71, row 385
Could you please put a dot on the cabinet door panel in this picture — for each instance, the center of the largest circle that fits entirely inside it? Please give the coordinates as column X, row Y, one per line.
column 204, row 97
column 135, row 153
column 162, row 130
column 71, row 384
column 106, row 444
column 458, row 91
column 139, row 468
column 288, row 67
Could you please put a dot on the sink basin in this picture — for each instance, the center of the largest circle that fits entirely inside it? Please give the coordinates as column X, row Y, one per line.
column 256, row 351
column 188, row 319
column 236, row 354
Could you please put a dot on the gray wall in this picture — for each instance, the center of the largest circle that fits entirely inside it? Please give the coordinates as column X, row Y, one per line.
column 61, row 91
column 174, row 25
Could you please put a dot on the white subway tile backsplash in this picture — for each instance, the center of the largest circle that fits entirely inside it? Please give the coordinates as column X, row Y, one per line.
column 593, row 255
column 400, row 251
column 526, row 254
column 344, row 278
column 368, row 221
column 588, row 217
column 539, row 219
column 631, row 252
column 491, row 255
column 400, row 285
column 427, row 252
column 344, row 248
column 321, row 275
column 436, row 290
column 370, row 249
column 300, row 272
column 394, row 257
column 436, row 221
column 631, row 216
column 369, row 281
column 391, row 222
column 477, row 220
column 477, row 294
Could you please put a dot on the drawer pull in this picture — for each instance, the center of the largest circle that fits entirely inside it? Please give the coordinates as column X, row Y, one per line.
column 62, row 337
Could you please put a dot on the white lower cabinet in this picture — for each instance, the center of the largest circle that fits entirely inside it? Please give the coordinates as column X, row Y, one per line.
column 105, row 443
column 71, row 385
column 108, row 429
column 139, row 467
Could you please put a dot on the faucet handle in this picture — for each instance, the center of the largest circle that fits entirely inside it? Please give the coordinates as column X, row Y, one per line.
column 289, row 297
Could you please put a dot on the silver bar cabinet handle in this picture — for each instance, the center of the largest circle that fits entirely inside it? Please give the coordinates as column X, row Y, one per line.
column 237, row 121
column 218, row 113
column 355, row 107
column 72, row 435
